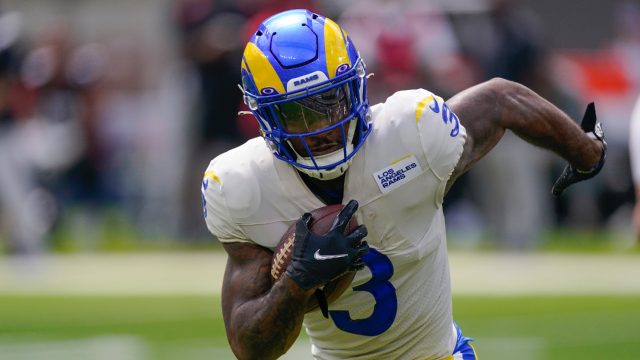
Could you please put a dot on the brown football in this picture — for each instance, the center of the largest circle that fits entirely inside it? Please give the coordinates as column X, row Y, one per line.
column 321, row 221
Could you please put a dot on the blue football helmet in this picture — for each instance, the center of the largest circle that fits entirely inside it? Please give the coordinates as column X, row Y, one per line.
column 305, row 83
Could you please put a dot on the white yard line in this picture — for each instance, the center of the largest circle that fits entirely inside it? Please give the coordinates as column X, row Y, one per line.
column 128, row 274
column 126, row 348
column 521, row 348
column 134, row 348
column 499, row 274
column 503, row 274
column 104, row 347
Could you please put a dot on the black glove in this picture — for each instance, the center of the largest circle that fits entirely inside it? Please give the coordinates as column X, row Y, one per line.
column 571, row 175
column 318, row 259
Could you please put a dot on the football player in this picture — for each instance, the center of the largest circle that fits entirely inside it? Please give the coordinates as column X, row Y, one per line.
column 390, row 163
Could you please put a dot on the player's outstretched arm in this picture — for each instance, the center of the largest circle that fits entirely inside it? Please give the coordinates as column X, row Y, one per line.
column 488, row 109
column 262, row 321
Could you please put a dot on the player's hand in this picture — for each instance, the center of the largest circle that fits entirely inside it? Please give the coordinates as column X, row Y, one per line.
column 318, row 259
column 571, row 175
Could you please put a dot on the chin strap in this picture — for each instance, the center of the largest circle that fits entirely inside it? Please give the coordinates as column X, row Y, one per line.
column 322, row 302
column 331, row 158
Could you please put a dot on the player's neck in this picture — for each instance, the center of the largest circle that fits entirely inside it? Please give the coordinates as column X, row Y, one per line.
column 329, row 191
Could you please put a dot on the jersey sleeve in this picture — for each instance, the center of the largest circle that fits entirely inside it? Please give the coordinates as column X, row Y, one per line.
column 428, row 128
column 440, row 133
column 634, row 143
column 217, row 214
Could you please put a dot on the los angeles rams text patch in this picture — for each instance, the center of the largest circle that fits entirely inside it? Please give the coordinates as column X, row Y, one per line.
column 397, row 173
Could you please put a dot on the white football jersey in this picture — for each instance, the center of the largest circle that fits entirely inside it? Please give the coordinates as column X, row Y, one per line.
column 399, row 306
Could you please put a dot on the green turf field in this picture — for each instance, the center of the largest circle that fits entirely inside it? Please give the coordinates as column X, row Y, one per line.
column 190, row 327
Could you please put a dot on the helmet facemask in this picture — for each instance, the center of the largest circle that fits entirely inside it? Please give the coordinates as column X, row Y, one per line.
column 327, row 115
column 317, row 129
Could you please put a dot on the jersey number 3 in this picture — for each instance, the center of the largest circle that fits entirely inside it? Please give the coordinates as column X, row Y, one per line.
column 386, row 307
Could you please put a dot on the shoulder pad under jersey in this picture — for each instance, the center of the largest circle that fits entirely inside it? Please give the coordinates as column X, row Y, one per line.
column 441, row 135
column 230, row 189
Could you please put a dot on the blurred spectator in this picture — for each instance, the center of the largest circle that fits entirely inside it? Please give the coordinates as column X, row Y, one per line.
column 511, row 185
column 211, row 40
column 212, row 37
column 626, row 43
column 617, row 192
column 610, row 77
column 63, row 136
column 634, row 147
column 406, row 44
column 26, row 209
column 66, row 106
column 142, row 135
column 99, row 123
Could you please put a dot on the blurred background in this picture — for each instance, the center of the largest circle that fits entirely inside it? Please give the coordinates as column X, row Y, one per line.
column 111, row 110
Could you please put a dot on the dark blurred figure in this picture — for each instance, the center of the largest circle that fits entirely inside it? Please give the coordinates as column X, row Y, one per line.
column 27, row 209
column 65, row 104
column 211, row 39
column 512, row 185
column 617, row 190
column 626, row 42
column 10, row 26
column 13, row 174
column 210, row 36
column 634, row 149
column 610, row 76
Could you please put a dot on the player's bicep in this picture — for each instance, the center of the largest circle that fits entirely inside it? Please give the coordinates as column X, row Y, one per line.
column 478, row 112
column 246, row 277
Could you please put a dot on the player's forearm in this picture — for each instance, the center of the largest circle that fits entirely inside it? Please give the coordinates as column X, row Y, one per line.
column 539, row 122
column 266, row 327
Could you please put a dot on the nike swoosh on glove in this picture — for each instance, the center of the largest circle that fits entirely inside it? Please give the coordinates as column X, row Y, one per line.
column 318, row 259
